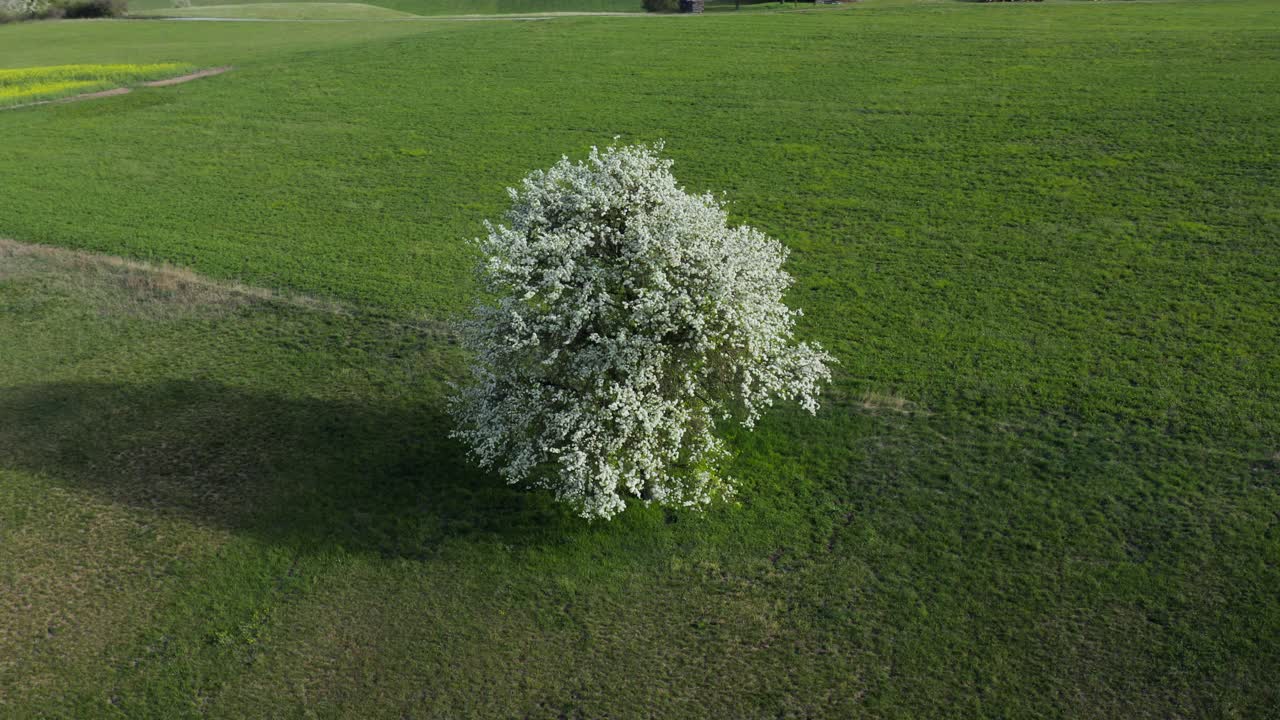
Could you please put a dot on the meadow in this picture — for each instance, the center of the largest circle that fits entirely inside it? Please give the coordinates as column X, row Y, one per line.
column 1042, row 240
column 385, row 8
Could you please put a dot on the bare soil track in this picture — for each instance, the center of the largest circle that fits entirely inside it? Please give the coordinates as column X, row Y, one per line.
column 207, row 72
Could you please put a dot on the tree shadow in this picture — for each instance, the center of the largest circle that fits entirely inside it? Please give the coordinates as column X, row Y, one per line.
column 319, row 473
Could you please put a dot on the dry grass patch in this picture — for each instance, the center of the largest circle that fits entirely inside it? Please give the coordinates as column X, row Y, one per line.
column 880, row 401
column 118, row 286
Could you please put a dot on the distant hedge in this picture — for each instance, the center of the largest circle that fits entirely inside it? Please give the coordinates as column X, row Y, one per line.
column 75, row 9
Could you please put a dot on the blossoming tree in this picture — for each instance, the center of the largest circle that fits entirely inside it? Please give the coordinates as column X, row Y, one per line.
column 23, row 8
column 624, row 321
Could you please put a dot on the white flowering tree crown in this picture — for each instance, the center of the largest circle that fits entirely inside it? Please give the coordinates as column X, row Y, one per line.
column 23, row 8
column 625, row 320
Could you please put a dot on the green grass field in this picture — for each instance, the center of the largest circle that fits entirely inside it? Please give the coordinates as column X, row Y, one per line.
column 1042, row 240
column 254, row 8
column 288, row 11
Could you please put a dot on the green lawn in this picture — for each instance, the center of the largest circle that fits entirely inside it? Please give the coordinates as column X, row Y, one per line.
column 416, row 7
column 287, row 11
column 1042, row 240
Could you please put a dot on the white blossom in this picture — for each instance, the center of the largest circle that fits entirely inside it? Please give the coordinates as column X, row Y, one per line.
column 624, row 321
column 23, row 8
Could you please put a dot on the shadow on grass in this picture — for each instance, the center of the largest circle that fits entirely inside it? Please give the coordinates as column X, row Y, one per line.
column 320, row 473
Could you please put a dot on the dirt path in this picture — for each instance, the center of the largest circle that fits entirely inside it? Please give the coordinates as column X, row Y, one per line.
column 85, row 96
column 207, row 72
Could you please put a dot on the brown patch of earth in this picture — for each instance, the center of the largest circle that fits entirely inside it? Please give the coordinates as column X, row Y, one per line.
column 90, row 96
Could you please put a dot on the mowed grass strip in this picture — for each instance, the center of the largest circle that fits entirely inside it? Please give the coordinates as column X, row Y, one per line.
column 287, row 11
column 19, row 86
column 408, row 7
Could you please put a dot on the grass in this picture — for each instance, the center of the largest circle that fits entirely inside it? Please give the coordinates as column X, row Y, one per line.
column 412, row 7
column 1040, row 238
column 288, row 11
column 21, row 86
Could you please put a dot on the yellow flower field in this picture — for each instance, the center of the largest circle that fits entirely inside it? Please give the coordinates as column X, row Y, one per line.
column 19, row 86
